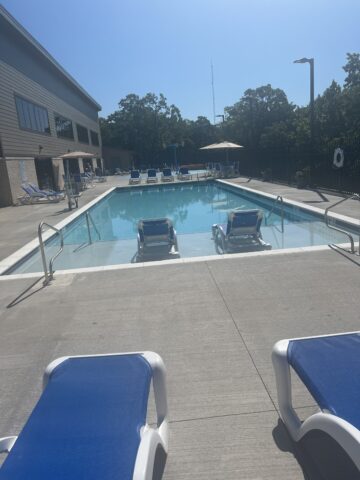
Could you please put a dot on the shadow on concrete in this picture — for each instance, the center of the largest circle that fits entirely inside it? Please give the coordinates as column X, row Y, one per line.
column 159, row 463
column 28, row 292
column 284, row 443
column 349, row 256
column 330, row 459
column 61, row 212
column 319, row 455
column 323, row 198
column 246, row 181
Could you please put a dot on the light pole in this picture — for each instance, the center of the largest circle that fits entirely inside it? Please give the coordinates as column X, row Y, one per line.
column 312, row 112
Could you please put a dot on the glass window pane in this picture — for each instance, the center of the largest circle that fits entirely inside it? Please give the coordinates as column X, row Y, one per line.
column 94, row 138
column 31, row 116
column 83, row 135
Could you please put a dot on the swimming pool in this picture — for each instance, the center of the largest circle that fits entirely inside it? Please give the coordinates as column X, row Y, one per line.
column 193, row 207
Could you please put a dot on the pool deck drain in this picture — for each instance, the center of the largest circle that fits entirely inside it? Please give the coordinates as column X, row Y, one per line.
column 214, row 323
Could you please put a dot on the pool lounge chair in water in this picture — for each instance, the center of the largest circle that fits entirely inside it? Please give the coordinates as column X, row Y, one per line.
column 156, row 239
column 151, row 176
column 167, row 175
column 91, row 421
column 329, row 367
column 241, row 233
column 134, row 177
column 184, row 174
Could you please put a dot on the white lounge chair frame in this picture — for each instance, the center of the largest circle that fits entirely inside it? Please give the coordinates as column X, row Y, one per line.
column 135, row 180
column 345, row 434
column 151, row 438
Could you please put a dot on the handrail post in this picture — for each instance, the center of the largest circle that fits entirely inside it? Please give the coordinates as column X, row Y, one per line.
column 88, row 227
column 49, row 275
column 326, row 217
column 42, row 250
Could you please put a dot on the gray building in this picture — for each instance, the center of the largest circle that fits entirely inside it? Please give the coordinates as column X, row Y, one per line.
column 44, row 113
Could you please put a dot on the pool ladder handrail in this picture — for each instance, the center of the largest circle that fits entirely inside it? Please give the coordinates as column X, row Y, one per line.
column 280, row 199
column 49, row 274
column 326, row 218
column 88, row 220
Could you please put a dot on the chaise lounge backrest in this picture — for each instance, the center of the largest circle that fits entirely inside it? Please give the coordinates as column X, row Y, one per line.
column 87, row 423
column 244, row 222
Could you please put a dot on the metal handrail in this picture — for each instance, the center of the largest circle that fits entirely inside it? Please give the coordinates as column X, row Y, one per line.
column 88, row 220
column 49, row 275
column 280, row 199
column 326, row 216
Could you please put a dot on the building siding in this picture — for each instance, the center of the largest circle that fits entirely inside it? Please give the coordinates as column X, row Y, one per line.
column 17, row 142
column 24, row 57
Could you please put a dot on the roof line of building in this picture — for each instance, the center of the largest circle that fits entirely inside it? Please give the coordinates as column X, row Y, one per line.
column 14, row 23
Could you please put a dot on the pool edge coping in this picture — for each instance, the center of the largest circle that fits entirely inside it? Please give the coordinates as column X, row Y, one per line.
column 22, row 252
column 177, row 261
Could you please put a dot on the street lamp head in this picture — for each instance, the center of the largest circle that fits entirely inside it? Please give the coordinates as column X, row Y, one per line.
column 304, row 60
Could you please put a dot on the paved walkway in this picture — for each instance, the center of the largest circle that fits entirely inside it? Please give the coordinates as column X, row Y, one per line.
column 316, row 198
column 213, row 322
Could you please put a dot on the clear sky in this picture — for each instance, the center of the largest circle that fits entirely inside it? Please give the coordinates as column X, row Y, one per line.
column 116, row 47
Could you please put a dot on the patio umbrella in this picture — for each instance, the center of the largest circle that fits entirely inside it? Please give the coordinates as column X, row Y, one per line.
column 223, row 146
column 67, row 156
column 78, row 155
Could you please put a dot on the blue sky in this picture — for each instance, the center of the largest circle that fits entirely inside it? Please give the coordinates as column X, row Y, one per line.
column 116, row 47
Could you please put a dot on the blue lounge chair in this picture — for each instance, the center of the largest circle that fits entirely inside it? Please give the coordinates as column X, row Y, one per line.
column 184, row 174
column 134, row 177
column 156, row 239
column 90, row 421
column 151, row 176
column 167, row 175
column 241, row 233
column 329, row 366
column 36, row 197
column 50, row 193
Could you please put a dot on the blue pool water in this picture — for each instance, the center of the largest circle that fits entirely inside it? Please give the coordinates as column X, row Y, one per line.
column 193, row 208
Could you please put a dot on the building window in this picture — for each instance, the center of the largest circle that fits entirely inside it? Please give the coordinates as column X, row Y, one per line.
column 32, row 116
column 82, row 133
column 64, row 127
column 94, row 138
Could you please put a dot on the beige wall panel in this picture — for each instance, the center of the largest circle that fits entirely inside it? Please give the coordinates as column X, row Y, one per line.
column 5, row 192
column 17, row 142
column 58, row 168
column 20, row 171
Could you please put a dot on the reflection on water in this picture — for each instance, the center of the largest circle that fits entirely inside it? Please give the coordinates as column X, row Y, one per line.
column 193, row 208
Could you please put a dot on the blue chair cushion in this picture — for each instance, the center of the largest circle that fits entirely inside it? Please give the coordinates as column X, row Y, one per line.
column 86, row 424
column 135, row 174
column 155, row 228
column 167, row 172
column 151, row 173
column 330, row 369
column 245, row 218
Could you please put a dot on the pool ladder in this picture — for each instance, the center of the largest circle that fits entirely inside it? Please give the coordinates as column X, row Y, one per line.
column 49, row 272
column 333, row 227
column 279, row 199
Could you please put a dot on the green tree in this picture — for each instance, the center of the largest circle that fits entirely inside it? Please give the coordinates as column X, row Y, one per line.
column 257, row 110
column 352, row 68
column 143, row 124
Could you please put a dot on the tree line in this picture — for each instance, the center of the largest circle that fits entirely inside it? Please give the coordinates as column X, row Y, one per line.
column 275, row 132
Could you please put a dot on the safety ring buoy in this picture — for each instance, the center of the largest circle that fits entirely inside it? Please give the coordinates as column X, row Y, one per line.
column 338, row 160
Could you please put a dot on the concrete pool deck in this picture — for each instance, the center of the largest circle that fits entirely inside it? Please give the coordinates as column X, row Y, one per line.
column 214, row 323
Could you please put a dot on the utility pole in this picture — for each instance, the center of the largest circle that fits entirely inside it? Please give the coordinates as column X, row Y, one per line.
column 213, row 90
column 310, row 61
